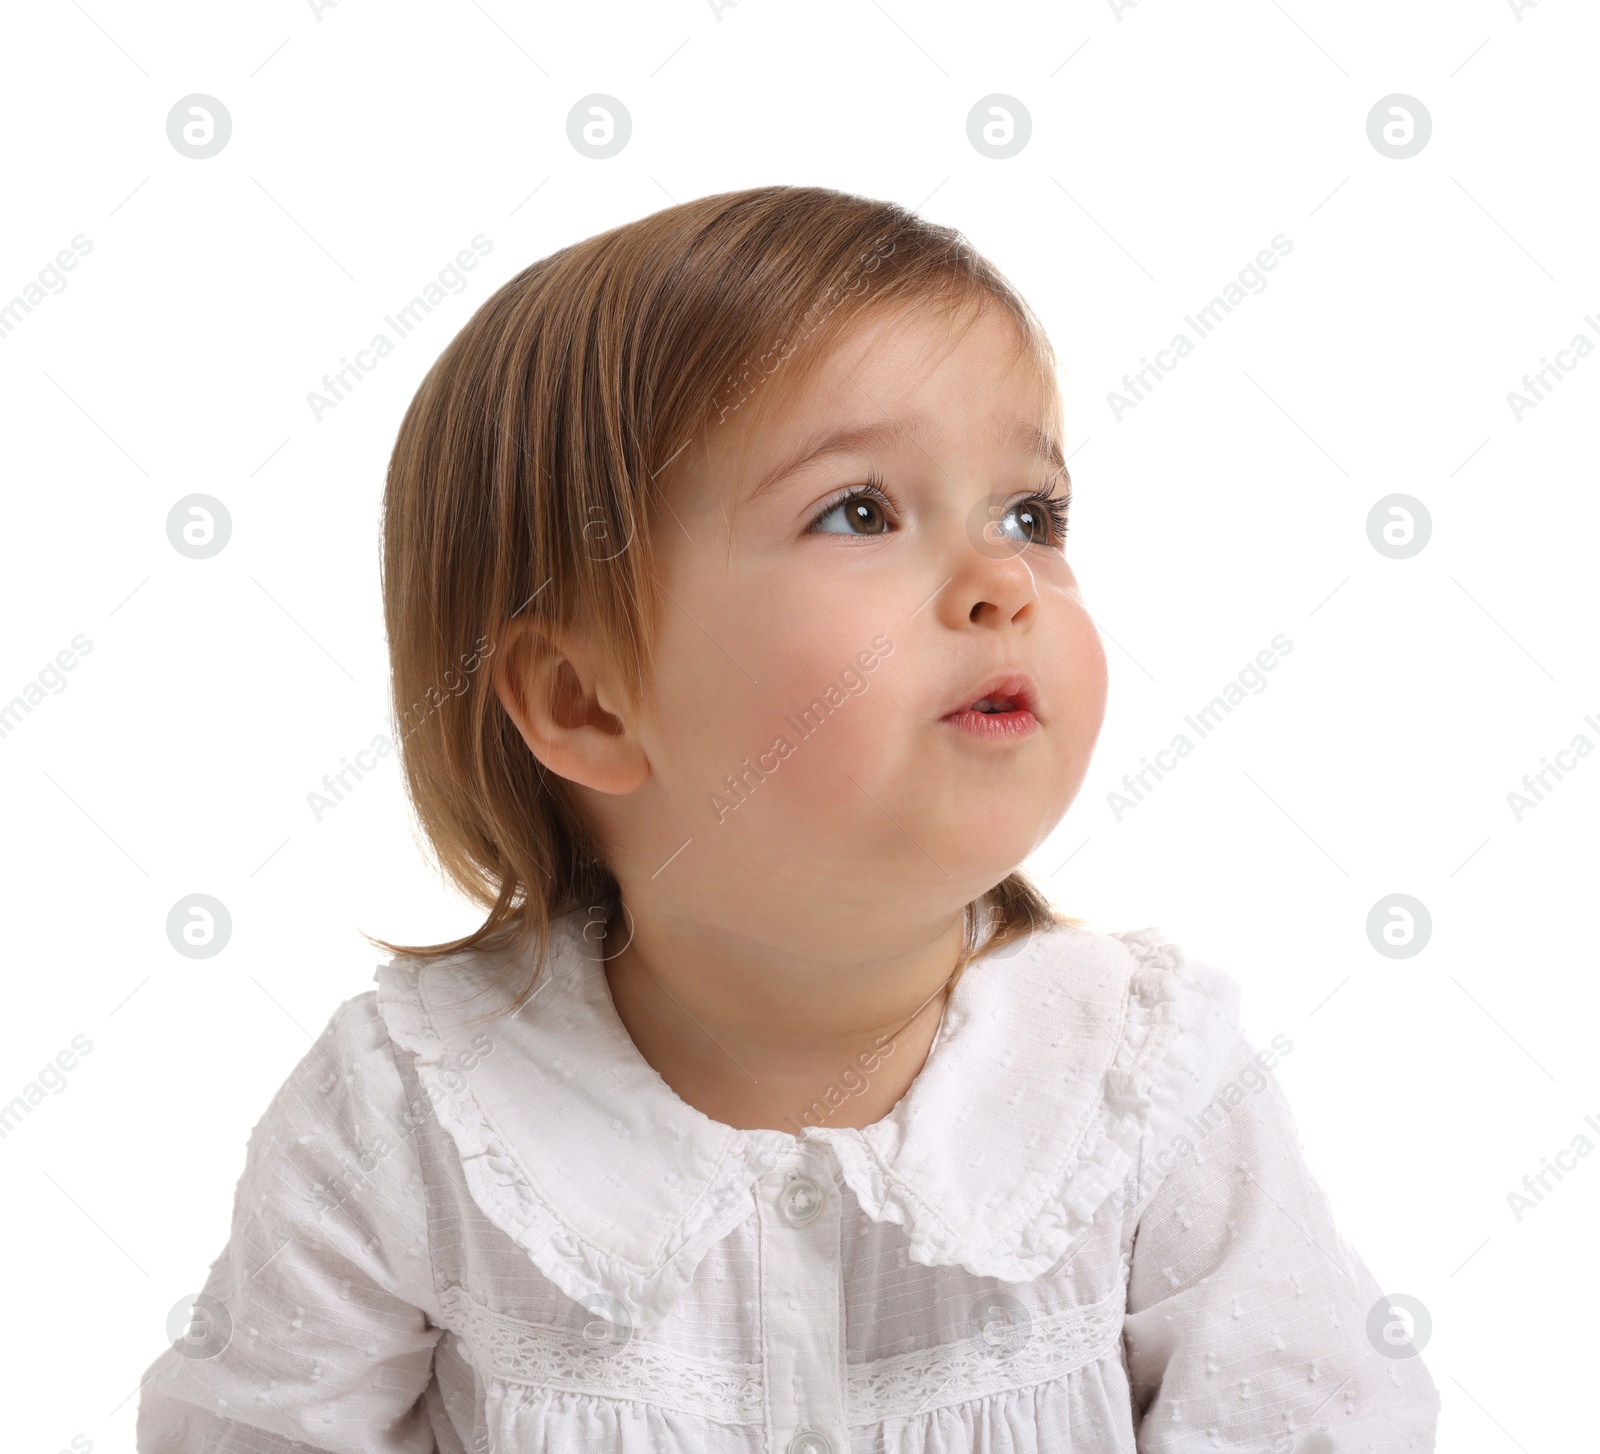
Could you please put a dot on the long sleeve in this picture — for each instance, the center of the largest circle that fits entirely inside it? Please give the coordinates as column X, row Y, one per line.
column 1248, row 1316
column 308, row 1335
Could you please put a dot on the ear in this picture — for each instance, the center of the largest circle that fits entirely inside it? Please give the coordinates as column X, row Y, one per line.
column 553, row 687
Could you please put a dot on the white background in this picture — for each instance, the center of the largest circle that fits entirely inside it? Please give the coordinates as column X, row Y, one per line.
column 1170, row 143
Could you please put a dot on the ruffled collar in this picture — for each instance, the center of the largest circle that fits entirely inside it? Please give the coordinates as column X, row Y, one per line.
column 1021, row 1122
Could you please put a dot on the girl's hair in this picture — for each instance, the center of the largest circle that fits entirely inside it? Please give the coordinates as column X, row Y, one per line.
column 528, row 474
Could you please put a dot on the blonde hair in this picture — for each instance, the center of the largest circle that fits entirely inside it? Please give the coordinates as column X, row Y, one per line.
column 529, row 470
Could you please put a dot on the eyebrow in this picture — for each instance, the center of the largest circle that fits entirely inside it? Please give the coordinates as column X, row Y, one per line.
column 1019, row 433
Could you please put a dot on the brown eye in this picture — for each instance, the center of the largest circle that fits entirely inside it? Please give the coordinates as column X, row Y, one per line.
column 1041, row 519
column 861, row 512
column 1034, row 523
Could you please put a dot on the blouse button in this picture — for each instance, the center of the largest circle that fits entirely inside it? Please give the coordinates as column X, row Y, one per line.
column 809, row 1441
column 800, row 1201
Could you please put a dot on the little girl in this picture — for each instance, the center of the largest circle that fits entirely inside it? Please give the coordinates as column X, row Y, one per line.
column 772, row 1109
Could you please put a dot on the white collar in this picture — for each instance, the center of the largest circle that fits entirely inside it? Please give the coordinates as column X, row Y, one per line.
column 1020, row 1123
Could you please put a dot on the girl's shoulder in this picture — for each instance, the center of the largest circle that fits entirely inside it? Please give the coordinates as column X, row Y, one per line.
column 1132, row 1007
column 1168, row 1063
column 1063, row 1058
column 332, row 1160
column 1120, row 1037
column 1162, row 1031
column 347, row 1076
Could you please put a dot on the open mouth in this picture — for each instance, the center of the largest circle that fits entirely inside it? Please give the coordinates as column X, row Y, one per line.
column 1003, row 707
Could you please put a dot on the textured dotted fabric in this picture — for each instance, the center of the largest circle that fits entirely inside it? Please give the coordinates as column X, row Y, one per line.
column 1087, row 1226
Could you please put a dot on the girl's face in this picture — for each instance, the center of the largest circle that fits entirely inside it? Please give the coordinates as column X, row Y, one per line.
column 802, row 756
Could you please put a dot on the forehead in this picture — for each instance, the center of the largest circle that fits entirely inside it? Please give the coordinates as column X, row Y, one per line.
column 975, row 360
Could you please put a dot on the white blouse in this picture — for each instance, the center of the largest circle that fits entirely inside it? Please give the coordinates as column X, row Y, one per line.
column 1086, row 1226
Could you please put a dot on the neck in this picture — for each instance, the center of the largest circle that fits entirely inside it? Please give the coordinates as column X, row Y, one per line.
column 761, row 1038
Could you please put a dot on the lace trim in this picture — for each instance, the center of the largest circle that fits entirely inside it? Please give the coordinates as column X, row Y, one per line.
column 638, row 1369
column 1126, row 1102
column 1010, row 1352
column 498, row 1184
column 1107, row 1153
column 1068, row 1198
column 1063, row 1200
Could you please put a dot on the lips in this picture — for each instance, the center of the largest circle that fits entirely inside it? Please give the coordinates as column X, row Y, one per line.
column 1000, row 695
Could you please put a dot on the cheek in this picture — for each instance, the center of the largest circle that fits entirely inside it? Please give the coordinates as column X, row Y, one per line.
column 813, row 688
column 1084, row 662
column 1078, row 694
column 768, row 665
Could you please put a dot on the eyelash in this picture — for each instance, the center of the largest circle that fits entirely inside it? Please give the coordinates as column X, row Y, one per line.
column 1055, row 505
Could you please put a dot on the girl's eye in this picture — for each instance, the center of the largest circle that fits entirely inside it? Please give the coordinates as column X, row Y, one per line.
column 1038, row 519
column 1041, row 518
column 861, row 505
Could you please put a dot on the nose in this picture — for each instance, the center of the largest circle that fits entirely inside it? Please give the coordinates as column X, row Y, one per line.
column 990, row 584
